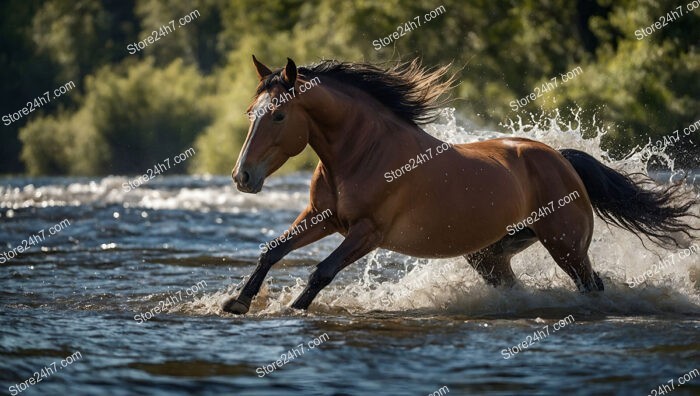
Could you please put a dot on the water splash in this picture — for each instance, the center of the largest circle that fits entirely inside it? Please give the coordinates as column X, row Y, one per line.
column 451, row 286
column 384, row 281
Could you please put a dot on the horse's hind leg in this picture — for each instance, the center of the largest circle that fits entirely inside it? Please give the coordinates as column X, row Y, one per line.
column 571, row 254
column 493, row 262
column 494, row 268
column 577, row 265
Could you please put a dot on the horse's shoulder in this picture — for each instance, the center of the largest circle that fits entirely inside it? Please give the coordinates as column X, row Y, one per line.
column 322, row 191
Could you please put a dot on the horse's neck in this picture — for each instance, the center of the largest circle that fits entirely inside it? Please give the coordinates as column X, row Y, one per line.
column 358, row 134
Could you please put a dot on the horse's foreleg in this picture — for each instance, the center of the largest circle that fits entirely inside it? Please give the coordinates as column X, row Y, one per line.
column 301, row 238
column 362, row 238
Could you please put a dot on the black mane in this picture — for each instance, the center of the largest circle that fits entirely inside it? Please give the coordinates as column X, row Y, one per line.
column 407, row 89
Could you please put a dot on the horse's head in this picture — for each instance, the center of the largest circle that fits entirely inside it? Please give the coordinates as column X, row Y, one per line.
column 279, row 127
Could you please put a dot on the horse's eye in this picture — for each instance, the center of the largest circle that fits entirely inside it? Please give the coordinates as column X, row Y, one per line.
column 278, row 116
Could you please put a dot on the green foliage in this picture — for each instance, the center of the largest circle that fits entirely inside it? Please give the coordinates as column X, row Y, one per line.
column 129, row 121
column 23, row 74
column 192, row 86
column 196, row 43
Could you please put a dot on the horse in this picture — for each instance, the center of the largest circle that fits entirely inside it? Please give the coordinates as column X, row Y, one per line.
column 389, row 184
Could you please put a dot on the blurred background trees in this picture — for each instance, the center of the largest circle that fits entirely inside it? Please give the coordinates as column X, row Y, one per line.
column 191, row 87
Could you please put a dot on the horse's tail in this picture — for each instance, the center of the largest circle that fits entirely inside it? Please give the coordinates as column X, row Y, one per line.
column 660, row 214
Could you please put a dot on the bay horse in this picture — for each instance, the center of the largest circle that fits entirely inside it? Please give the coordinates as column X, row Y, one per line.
column 388, row 184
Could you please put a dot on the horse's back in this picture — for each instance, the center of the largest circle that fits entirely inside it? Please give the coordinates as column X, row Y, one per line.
column 530, row 162
column 543, row 175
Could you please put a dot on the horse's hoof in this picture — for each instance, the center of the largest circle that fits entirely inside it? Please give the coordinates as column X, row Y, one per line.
column 235, row 307
column 598, row 282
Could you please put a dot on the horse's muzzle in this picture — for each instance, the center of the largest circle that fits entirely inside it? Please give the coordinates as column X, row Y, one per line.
column 248, row 181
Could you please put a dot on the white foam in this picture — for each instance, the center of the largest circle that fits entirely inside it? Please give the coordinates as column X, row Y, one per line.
column 108, row 190
column 451, row 286
column 386, row 281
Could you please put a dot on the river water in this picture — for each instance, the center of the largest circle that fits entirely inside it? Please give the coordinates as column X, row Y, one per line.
column 389, row 324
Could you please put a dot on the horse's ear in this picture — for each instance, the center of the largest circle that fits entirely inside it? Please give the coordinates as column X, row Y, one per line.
column 262, row 70
column 289, row 75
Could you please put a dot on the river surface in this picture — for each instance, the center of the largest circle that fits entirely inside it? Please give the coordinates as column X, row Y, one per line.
column 388, row 325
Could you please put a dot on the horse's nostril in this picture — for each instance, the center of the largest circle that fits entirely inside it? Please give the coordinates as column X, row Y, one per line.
column 245, row 177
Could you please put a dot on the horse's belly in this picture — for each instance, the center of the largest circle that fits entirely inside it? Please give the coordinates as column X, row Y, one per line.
column 451, row 235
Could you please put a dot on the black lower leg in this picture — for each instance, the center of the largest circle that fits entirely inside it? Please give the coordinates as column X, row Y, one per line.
column 240, row 305
column 319, row 279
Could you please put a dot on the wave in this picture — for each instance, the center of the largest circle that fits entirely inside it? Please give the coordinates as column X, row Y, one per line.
column 385, row 282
